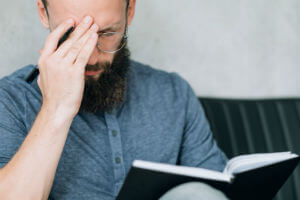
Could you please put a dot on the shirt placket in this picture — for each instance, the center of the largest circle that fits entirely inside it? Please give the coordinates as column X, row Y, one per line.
column 116, row 149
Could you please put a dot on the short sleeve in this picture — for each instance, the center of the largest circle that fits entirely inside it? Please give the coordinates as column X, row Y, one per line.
column 12, row 129
column 199, row 149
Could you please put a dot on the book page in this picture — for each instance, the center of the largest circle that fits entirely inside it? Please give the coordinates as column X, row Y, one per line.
column 248, row 162
column 183, row 170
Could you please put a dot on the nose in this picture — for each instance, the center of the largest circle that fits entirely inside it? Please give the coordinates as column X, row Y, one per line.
column 94, row 57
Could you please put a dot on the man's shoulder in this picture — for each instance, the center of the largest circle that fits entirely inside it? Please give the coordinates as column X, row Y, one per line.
column 148, row 80
column 14, row 84
column 17, row 76
column 13, row 88
column 146, row 73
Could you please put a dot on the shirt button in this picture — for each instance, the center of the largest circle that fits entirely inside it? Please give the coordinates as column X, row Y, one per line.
column 114, row 133
column 118, row 160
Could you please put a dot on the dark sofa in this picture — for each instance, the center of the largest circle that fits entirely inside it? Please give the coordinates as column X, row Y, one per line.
column 256, row 126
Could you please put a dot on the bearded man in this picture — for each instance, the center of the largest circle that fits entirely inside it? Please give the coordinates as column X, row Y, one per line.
column 73, row 131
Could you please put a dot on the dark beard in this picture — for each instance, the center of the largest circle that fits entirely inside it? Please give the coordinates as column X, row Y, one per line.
column 107, row 92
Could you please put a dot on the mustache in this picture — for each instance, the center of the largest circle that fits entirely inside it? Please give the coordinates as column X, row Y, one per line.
column 99, row 66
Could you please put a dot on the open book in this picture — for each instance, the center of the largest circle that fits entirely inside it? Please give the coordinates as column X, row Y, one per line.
column 254, row 176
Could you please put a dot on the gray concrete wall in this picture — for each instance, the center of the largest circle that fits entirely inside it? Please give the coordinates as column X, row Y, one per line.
column 232, row 48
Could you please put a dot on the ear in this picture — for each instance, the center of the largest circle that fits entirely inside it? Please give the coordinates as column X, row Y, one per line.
column 131, row 11
column 43, row 14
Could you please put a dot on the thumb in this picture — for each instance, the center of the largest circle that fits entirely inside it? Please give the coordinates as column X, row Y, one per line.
column 39, row 82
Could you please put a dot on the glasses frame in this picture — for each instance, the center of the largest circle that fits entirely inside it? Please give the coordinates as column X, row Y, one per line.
column 123, row 41
column 124, row 38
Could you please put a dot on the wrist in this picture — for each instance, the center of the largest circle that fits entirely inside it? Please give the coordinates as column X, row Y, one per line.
column 57, row 114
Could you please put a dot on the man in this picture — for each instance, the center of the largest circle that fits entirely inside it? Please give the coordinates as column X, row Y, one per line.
column 73, row 132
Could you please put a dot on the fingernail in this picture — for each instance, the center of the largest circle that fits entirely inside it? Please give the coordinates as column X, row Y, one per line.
column 70, row 21
column 94, row 27
column 87, row 19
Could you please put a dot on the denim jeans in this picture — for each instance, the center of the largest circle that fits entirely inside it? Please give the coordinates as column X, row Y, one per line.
column 193, row 191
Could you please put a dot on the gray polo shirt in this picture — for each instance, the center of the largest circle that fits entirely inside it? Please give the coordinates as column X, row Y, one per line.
column 160, row 120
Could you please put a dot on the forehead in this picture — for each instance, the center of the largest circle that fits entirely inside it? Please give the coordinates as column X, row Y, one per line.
column 104, row 12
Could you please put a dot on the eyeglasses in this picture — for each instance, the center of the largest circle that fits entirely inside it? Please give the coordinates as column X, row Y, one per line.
column 112, row 42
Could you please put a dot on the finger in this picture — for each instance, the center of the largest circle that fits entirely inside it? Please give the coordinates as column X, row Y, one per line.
column 76, row 48
column 53, row 38
column 41, row 51
column 86, row 51
column 79, row 31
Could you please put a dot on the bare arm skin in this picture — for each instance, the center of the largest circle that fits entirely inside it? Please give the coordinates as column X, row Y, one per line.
column 29, row 174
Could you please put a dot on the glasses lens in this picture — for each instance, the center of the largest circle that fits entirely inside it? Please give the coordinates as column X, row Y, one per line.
column 110, row 42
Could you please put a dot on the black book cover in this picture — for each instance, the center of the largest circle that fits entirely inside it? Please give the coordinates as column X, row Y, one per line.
column 261, row 183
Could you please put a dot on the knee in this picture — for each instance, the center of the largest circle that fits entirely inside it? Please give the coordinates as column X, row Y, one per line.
column 193, row 191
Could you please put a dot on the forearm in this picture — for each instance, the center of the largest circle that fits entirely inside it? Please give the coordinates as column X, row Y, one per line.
column 30, row 173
